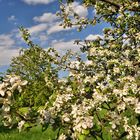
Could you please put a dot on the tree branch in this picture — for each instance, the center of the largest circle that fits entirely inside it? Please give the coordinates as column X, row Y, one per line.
column 111, row 3
column 135, row 9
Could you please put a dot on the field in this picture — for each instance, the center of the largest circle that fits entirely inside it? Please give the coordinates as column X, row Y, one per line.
column 33, row 134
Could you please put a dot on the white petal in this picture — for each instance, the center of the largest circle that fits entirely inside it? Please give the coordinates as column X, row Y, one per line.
column 2, row 93
column 84, row 125
column 23, row 83
column 6, row 108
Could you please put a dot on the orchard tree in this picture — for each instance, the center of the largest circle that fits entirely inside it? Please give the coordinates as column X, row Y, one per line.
column 29, row 82
column 34, row 64
column 101, row 99
column 38, row 71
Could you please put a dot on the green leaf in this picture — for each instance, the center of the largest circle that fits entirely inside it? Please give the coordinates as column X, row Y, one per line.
column 24, row 110
column 81, row 137
column 26, row 125
column 44, row 127
column 106, row 134
column 103, row 113
column 86, row 132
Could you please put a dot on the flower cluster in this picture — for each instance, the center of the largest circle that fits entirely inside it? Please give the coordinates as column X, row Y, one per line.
column 102, row 93
column 83, row 123
column 103, row 98
column 45, row 117
column 10, row 84
column 21, row 125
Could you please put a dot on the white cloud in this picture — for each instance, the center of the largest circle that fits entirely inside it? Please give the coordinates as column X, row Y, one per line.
column 57, row 28
column 35, row 2
column 54, row 27
column 38, row 28
column 6, row 44
column 93, row 37
column 7, row 55
column 12, row 18
column 46, row 17
column 62, row 46
column 6, row 41
column 48, row 22
column 43, row 37
column 79, row 9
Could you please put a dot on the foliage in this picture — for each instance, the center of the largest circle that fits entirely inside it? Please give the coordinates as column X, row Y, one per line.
column 99, row 99
column 33, row 65
column 1, row 76
column 102, row 95
column 38, row 67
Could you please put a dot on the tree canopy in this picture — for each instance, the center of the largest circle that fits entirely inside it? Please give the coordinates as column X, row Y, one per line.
column 100, row 98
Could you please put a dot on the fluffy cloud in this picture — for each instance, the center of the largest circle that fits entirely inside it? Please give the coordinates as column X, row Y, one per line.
column 6, row 41
column 62, row 46
column 7, row 55
column 49, row 23
column 52, row 20
column 57, row 28
column 93, row 37
column 6, row 44
column 81, row 11
column 77, row 8
column 46, row 17
column 43, row 37
column 35, row 2
column 38, row 28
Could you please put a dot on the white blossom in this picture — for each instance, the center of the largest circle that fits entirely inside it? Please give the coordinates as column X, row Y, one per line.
column 20, row 125
column 2, row 92
column 62, row 137
column 137, row 108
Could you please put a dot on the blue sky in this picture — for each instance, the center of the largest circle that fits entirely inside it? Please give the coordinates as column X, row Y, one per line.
column 39, row 17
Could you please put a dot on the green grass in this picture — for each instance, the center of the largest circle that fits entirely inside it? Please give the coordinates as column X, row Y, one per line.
column 34, row 134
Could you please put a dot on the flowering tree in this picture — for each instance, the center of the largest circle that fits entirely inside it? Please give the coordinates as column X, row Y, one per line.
column 39, row 68
column 99, row 99
column 34, row 64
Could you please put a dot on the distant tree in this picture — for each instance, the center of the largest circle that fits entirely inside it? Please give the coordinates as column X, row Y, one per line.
column 34, row 64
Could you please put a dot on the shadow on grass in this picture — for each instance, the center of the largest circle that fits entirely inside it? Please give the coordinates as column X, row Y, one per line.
column 4, row 129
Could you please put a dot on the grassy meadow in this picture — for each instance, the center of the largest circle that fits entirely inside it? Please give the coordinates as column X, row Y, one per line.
column 34, row 134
